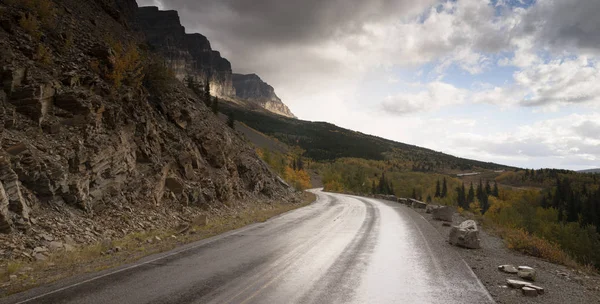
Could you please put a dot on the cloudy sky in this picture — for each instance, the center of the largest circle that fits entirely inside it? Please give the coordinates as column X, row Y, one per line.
column 509, row 81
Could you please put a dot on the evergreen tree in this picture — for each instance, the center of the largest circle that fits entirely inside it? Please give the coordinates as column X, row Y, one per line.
column 437, row 189
column 189, row 82
column 382, row 183
column 207, row 90
column 479, row 191
column 488, row 188
column 495, row 191
column 214, row 106
column 485, row 205
column 231, row 120
column 444, row 192
column 429, row 198
column 461, row 197
column 471, row 195
column 414, row 194
column 373, row 188
column 300, row 163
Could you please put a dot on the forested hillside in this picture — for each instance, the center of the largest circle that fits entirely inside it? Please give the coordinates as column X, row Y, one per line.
column 326, row 142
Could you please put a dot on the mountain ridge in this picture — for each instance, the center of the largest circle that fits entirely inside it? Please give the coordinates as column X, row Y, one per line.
column 192, row 58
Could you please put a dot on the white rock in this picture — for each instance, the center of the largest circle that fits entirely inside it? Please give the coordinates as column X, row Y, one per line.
column 516, row 283
column 527, row 273
column 465, row 235
column 508, row 268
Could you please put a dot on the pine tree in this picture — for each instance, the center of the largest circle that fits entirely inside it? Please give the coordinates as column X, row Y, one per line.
column 300, row 163
column 231, row 120
column 437, row 189
column 444, row 189
column 373, row 188
column 495, row 191
column 460, row 197
column 382, row 183
column 429, row 198
column 414, row 194
column 479, row 191
column 207, row 96
column 471, row 195
column 488, row 188
column 214, row 106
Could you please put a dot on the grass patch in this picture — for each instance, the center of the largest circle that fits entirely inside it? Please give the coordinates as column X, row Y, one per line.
column 93, row 258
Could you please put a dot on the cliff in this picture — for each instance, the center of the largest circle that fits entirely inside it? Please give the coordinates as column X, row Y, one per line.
column 188, row 55
column 253, row 90
column 105, row 141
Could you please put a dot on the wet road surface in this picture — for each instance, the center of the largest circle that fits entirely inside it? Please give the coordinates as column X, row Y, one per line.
column 340, row 249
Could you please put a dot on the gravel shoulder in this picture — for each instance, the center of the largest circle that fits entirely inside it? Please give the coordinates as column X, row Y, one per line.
column 562, row 284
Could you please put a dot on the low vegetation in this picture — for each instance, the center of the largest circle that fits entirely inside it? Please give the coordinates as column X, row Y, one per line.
column 44, row 55
column 289, row 166
column 30, row 25
column 126, row 67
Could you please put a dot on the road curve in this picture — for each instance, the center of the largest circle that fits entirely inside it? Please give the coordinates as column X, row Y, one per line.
column 340, row 249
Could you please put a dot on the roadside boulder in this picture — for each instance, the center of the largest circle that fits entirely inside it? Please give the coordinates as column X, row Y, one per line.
column 508, row 268
column 516, row 283
column 526, row 273
column 465, row 235
column 443, row 213
column 430, row 208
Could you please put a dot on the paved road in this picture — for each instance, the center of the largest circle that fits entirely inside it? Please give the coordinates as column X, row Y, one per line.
column 340, row 249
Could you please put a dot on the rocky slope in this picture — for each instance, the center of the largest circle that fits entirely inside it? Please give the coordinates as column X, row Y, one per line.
column 188, row 55
column 97, row 142
column 252, row 89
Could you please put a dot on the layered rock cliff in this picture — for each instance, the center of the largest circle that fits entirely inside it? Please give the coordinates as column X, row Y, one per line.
column 188, row 55
column 96, row 137
column 252, row 89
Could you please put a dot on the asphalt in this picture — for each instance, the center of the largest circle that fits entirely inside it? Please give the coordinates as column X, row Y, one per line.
column 340, row 249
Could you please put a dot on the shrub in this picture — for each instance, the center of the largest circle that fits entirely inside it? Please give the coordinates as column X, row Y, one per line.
column 43, row 55
column 68, row 41
column 522, row 241
column 43, row 9
column 157, row 75
column 127, row 67
column 95, row 66
column 30, row 24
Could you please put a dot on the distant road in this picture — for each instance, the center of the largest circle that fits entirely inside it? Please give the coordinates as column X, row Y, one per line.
column 340, row 249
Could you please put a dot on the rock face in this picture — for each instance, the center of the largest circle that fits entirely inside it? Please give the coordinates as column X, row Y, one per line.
column 252, row 89
column 188, row 55
column 465, row 235
column 75, row 146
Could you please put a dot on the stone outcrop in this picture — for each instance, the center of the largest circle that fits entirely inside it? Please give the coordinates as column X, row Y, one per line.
column 254, row 90
column 465, row 235
column 188, row 55
column 79, row 154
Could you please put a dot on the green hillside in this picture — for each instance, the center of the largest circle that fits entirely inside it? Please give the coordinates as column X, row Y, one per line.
column 326, row 142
